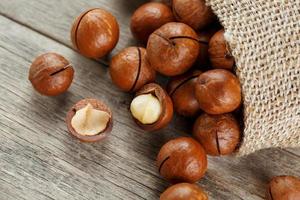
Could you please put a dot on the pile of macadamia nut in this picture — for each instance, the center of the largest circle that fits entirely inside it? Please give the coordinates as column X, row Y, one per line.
column 182, row 40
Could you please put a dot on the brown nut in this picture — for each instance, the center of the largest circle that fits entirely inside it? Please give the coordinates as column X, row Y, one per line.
column 95, row 33
column 51, row 74
column 130, row 69
column 219, row 52
column 284, row 188
column 149, row 17
column 184, row 191
column 218, row 134
column 152, row 108
column 89, row 120
column 218, row 91
column 182, row 160
column 195, row 13
column 181, row 90
column 204, row 37
column 173, row 48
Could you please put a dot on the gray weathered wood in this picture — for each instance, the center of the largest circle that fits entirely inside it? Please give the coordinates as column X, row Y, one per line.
column 39, row 159
column 54, row 18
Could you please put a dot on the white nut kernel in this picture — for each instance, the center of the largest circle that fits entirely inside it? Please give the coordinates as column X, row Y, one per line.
column 146, row 108
column 89, row 121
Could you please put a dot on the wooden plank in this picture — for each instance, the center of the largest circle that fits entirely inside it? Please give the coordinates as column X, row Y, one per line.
column 39, row 160
column 54, row 18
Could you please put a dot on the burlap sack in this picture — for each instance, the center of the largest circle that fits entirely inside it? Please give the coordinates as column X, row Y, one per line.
column 264, row 36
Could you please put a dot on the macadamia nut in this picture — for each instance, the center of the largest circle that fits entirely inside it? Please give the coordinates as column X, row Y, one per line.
column 146, row 108
column 89, row 121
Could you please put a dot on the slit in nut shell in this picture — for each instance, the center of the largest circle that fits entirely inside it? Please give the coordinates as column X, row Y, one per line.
column 181, row 90
column 182, row 160
column 130, row 69
column 89, row 120
column 95, row 33
column 173, row 49
column 218, row 134
column 51, row 74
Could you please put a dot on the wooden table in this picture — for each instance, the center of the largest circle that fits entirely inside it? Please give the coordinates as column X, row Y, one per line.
column 39, row 159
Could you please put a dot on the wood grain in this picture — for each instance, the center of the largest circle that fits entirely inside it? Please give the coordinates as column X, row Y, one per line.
column 54, row 18
column 40, row 160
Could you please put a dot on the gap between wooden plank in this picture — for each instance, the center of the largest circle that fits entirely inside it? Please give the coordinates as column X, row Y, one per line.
column 101, row 61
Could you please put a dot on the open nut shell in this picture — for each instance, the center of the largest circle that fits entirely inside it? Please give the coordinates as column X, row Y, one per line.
column 97, row 104
column 166, row 104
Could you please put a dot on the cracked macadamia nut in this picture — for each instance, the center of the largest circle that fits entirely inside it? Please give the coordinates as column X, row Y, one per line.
column 184, row 191
column 194, row 13
column 181, row 90
column 218, row 91
column 173, row 49
column 149, row 17
column 218, row 134
column 146, row 108
column 130, row 69
column 95, row 33
column 284, row 188
column 51, row 74
column 182, row 160
column 152, row 108
column 219, row 52
column 89, row 120
column 204, row 37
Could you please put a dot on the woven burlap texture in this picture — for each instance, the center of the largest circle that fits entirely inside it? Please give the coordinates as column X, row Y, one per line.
column 264, row 37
